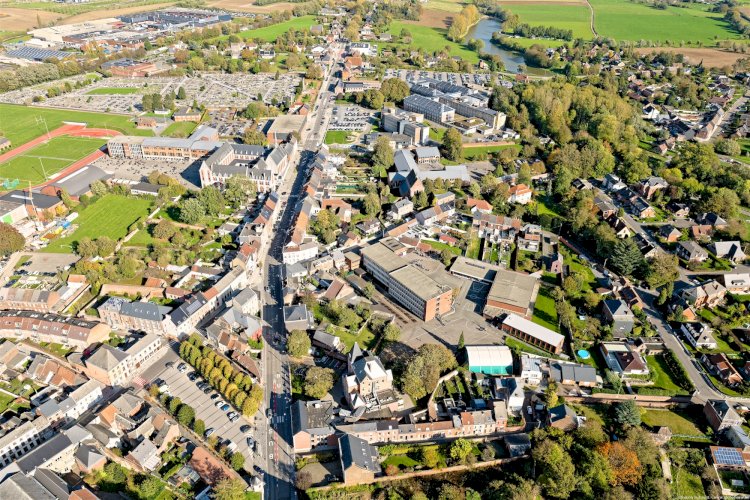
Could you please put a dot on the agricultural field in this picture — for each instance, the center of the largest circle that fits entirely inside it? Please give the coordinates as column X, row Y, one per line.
column 103, row 7
column 48, row 158
column 432, row 39
column 566, row 15
column 271, row 33
column 109, row 216
column 624, row 20
column 20, row 124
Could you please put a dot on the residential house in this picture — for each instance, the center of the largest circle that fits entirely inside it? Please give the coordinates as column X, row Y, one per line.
column 618, row 225
column 721, row 415
column 573, row 374
column 604, row 207
column 691, row 251
column 720, row 366
column 623, row 360
column 700, row 335
column 478, row 206
column 648, row 187
column 520, row 193
column 670, row 233
column 562, row 417
column 312, row 425
column 737, row 282
column 730, row 250
column 711, row 219
column 531, row 370
column 618, row 314
column 401, row 208
column 708, row 294
column 360, row 461
column 297, row 317
column 678, row 209
column 112, row 366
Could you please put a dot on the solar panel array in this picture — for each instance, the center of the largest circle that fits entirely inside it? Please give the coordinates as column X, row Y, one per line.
column 728, row 456
column 35, row 54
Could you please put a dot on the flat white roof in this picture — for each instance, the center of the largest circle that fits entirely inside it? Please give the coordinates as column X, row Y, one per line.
column 489, row 355
column 531, row 328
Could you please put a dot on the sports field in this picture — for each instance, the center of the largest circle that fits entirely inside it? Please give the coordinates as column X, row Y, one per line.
column 49, row 158
column 565, row 15
column 20, row 124
column 271, row 33
column 432, row 39
column 109, row 216
column 624, row 20
column 115, row 91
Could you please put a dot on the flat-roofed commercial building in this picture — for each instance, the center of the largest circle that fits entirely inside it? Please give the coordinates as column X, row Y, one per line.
column 511, row 292
column 490, row 359
column 408, row 285
column 432, row 110
column 533, row 334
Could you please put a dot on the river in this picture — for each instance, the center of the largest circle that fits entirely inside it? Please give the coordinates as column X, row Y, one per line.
column 483, row 30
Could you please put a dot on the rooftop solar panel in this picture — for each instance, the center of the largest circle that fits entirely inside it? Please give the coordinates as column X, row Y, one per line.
column 728, row 456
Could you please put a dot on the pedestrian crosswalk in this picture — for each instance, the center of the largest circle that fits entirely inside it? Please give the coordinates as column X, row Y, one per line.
column 139, row 382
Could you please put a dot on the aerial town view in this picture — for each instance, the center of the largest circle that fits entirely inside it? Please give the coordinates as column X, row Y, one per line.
column 374, row 249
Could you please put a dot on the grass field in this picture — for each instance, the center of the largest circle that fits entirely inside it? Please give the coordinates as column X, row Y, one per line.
column 20, row 124
column 545, row 313
column 114, row 91
column 432, row 39
column 471, row 153
column 337, row 137
column 677, row 421
column 687, row 485
column 662, row 375
column 110, row 216
column 271, row 33
column 179, row 129
column 566, row 16
column 623, row 20
column 49, row 158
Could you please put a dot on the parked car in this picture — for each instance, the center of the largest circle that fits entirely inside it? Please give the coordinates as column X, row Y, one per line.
column 192, row 376
column 182, row 368
column 214, row 395
column 219, row 404
column 234, row 418
column 226, row 407
column 245, row 429
column 209, row 431
column 207, row 389
column 231, row 414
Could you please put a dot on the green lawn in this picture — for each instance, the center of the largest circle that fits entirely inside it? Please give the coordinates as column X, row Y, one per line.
column 545, row 205
column 472, row 248
column 143, row 238
column 686, row 484
column 438, row 245
column 471, row 153
column 110, row 216
column 270, row 33
column 400, row 461
column 545, row 313
column 179, row 129
column 337, row 136
column 623, row 20
column 431, row 40
column 20, row 124
column 114, row 91
column 49, row 158
column 662, row 375
column 572, row 16
column 678, row 421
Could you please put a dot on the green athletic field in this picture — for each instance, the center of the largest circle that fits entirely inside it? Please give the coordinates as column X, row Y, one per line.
column 50, row 158
column 109, row 216
column 20, row 124
column 431, row 40
column 271, row 33
column 179, row 129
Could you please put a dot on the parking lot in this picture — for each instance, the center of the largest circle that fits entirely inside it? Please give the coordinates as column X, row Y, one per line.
column 454, row 78
column 205, row 409
column 350, row 118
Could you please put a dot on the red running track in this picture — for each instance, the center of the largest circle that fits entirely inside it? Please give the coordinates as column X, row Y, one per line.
column 71, row 130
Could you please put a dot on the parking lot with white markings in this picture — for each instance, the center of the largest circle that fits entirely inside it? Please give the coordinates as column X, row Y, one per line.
column 205, row 409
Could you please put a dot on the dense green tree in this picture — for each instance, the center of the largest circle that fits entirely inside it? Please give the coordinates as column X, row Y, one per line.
column 237, row 461
column 105, row 246
column 382, row 155
column 391, row 332
column 627, row 414
column 199, row 427
column 425, row 368
column 728, row 147
column 186, row 415
column 318, row 381
column 238, row 190
column 299, row 343
column 229, row 489
column 724, row 202
column 395, row 90
column 164, row 229
column 452, row 147
column 460, row 449
column 192, row 211
column 371, row 204
column 212, row 199
column 255, row 137
column 556, row 471
column 625, row 257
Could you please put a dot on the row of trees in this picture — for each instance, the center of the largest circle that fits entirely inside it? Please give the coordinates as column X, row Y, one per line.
column 528, row 31
column 462, row 22
column 236, row 387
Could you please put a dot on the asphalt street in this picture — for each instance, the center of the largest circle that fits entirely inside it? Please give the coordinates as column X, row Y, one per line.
column 279, row 470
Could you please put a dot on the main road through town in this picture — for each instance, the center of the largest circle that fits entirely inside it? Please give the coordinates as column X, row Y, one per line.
column 276, row 441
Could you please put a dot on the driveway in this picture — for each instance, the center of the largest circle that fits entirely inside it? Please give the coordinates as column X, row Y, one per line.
column 205, row 409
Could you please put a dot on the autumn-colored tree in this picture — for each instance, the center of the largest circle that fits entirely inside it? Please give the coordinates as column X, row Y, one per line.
column 626, row 468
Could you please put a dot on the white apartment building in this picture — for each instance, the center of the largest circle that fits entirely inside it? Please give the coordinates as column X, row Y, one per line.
column 22, row 440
